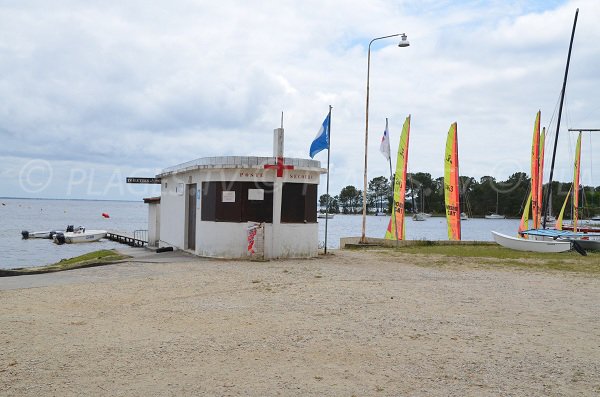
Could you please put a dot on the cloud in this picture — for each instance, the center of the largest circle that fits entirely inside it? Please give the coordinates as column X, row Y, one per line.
column 144, row 85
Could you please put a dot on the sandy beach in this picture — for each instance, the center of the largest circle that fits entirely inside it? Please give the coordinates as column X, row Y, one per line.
column 356, row 323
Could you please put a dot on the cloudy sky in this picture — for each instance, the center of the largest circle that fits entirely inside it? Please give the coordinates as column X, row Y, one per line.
column 94, row 91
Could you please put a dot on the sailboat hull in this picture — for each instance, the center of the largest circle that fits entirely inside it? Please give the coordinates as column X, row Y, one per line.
column 588, row 245
column 531, row 245
column 495, row 216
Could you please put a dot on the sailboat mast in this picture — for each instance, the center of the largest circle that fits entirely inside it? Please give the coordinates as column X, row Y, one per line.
column 497, row 202
column 562, row 99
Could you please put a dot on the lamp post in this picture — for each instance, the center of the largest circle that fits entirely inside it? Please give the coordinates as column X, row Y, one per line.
column 403, row 43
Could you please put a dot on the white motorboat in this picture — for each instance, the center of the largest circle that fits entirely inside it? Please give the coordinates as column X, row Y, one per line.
column 45, row 234
column 464, row 217
column 595, row 218
column 48, row 234
column 80, row 235
column 521, row 244
column 495, row 216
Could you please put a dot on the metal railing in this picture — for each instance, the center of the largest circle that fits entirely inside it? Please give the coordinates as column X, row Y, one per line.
column 141, row 235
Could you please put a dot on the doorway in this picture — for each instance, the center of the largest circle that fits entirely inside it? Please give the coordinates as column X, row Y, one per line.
column 191, row 216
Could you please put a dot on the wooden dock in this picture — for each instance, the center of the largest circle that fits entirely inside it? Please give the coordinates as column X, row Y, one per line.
column 139, row 238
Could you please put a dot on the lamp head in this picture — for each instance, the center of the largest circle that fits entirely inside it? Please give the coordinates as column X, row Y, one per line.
column 403, row 42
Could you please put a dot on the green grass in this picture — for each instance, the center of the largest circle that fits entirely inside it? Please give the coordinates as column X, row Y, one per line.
column 91, row 259
column 493, row 255
column 482, row 251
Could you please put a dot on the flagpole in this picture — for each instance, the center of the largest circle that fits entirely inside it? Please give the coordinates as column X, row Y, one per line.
column 327, row 193
column 392, row 184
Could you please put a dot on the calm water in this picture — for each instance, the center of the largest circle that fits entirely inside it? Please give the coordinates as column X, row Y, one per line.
column 37, row 215
column 431, row 229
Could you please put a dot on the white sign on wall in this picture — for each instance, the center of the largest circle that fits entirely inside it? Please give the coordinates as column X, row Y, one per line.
column 228, row 197
column 179, row 189
column 256, row 194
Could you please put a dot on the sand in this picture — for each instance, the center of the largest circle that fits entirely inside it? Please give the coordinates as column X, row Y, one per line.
column 352, row 324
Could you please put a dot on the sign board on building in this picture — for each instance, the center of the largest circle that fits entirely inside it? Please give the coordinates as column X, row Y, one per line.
column 256, row 194
column 143, row 180
column 228, row 196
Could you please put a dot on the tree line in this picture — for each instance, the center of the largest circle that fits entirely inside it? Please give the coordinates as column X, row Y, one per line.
column 477, row 197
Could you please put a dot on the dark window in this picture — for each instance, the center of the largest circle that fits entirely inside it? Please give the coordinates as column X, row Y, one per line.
column 253, row 208
column 299, row 203
column 232, row 201
column 209, row 201
column 228, row 202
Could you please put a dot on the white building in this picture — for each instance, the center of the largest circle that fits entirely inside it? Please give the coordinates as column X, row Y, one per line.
column 207, row 205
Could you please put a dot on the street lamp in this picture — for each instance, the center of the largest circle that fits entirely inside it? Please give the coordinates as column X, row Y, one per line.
column 403, row 43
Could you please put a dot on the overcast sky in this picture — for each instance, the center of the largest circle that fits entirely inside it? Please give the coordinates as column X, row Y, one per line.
column 94, row 91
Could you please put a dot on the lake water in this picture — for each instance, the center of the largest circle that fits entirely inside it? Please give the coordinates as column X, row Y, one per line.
column 434, row 228
column 37, row 215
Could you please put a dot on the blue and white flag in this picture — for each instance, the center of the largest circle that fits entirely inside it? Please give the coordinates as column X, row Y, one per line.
column 321, row 141
column 384, row 147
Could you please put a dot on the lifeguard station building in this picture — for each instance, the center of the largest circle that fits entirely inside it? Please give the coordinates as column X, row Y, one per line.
column 233, row 207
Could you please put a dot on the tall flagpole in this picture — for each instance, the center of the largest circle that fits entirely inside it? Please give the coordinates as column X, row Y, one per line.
column 392, row 184
column 328, row 156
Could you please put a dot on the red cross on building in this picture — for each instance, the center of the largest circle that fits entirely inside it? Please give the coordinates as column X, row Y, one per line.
column 279, row 166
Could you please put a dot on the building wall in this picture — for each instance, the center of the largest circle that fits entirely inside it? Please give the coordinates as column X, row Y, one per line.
column 153, row 224
column 172, row 212
column 229, row 240
column 298, row 241
column 222, row 239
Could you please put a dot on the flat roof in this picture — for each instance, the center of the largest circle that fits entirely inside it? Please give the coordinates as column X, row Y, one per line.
column 150, row 200
column 240, row 162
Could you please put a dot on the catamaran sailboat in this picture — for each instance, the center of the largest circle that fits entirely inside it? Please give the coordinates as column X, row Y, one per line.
column 495, row 215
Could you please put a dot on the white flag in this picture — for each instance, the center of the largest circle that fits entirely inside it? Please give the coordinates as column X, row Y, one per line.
column 384, row 148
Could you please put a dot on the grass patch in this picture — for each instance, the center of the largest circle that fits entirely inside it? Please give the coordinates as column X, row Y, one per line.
column 96, row 258
column 495, row 255
column 482, row 251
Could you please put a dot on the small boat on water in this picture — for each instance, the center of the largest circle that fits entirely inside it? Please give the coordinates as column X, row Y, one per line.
column 419, row 216
column 495, row 216
column 47, row 234
column 325, row 216
column 464, row 216
column 521, row 244
column 80, row 235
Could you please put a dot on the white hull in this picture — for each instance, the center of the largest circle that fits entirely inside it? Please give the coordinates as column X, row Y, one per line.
column 420, row 217
column 495, row 216
column 45, row 234
column 87, row 236
column 521, row 244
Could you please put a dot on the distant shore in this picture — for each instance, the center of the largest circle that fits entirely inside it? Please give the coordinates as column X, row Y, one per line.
column 376, row 322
